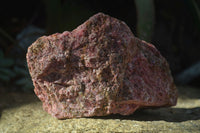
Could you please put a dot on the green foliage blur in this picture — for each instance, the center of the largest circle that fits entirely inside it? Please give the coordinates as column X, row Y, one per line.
column 66, row 14
column 13, row 74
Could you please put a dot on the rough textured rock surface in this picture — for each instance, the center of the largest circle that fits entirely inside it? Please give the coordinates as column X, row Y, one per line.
column 98, row 69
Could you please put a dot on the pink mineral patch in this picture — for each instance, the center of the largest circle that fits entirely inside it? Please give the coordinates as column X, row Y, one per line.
column 100, row 68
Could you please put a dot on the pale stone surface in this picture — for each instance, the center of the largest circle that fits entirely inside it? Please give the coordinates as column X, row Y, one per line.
column 23, row 113
column 100, row 68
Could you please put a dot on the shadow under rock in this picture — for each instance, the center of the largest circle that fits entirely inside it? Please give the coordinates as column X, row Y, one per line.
column 165, row 114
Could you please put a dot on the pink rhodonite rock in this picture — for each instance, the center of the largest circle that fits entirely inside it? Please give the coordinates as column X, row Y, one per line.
column 100, row 68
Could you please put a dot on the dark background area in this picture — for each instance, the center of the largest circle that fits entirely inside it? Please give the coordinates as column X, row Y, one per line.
column 174, row 24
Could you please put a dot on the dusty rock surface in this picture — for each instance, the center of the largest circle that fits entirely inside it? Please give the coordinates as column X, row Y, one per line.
column 22, row 113
column 100, row 68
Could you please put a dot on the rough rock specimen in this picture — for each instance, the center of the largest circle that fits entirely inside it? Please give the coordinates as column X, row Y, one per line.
column 100, row 68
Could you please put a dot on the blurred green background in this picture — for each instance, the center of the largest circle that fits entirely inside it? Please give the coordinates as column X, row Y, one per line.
column 173, row 26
